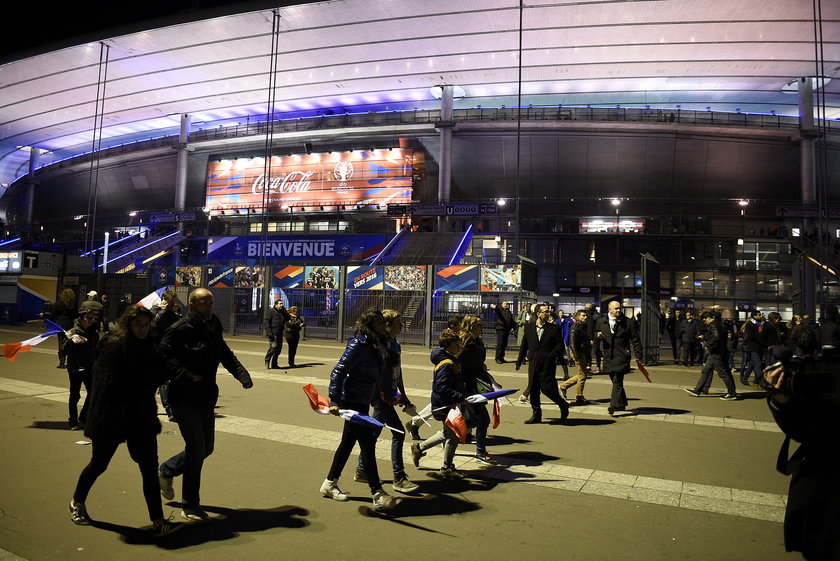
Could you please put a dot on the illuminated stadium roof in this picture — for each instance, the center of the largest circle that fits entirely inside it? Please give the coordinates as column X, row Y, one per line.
column 377, row 54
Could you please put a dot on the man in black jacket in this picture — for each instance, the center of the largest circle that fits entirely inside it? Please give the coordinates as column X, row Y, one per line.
column 542, row 344
column 718, row 360
column 193, row 348
column 617, row 334
column 504, row 327
column 275, row 324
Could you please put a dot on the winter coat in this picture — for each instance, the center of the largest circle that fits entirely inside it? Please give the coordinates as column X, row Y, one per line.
column 196, row 346
column 448, row 386
column 617, row 344
column 472, row 362
column 276, row 321
column 80, row 356
column 357, row 377
column 126, row 375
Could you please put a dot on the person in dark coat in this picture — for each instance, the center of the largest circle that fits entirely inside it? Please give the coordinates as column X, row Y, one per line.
column 64, row 314
column 477, row 380
column 80, row 350
column 504, row 327
column 123, row 409
column 93, row 305
column 275, row 324
column 812, row 512
column 688, row 332
column 618, row 334
column 355, row 384
column 106, row 313
column 715, row 340
column 580, row 351
column 754, row 346
column 167, row 312
column 294, row 326
column 193, row 349
column 542, row 344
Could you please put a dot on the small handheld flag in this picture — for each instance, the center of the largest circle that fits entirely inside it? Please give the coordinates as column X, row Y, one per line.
column 11, row 350
column 456, row 422
column 643, row 370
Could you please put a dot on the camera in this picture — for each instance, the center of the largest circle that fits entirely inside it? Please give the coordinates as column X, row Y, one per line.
column 813, row 377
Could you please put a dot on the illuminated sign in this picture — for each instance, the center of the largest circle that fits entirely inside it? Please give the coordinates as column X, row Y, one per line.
column 612, row 225
column 376, row 177
column 9, row 261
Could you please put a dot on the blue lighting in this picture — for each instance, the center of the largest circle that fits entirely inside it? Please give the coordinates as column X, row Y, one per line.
column 138, row 248
column 460, row 245
column 13, row 240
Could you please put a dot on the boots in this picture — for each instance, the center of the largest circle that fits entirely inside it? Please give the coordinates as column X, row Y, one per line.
column 536, row 417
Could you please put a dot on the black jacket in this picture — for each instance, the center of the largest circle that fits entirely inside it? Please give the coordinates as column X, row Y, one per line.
column 504, row 319
column 448, row 386
column 617, row 344
column 357, row 377
column 580, row 343
column 80, row 356
column 542, row 352
column 196, row 346
column 126, row 375
column 472, row 358
column 276, row 321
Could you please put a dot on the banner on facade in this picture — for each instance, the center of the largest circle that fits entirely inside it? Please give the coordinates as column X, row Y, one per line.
column 295, row 249
column 365, row 278
column 376, row 177
column 501, row 278
column 457, row 277
column 323, row 276
column 249, row 277
column 188, row 276
column 220, row 277
column 405, row 277
column 288, row 277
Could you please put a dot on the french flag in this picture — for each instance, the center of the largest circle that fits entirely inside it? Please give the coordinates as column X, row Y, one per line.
column 456, row 422
column 152, row 299
column 317, row 402
column 11, row 350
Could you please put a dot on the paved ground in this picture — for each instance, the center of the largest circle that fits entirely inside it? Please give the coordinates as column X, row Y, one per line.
column 675, row 478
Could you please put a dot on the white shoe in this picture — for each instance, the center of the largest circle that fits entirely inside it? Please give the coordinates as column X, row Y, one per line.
column 383, row 501
column 329, row 489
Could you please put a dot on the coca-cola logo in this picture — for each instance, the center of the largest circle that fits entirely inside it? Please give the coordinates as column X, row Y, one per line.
column 292, row 182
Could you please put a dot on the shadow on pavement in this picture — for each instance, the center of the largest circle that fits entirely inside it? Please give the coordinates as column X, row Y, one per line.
column 579, row 422
column 227, row 524
column 51, row 425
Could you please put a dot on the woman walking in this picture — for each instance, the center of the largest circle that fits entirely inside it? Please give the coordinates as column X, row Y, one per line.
column 123, row 409
column 476, row 380
column 355, row 383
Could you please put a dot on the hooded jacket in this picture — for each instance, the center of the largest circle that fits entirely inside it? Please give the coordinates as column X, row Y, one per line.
column 448, row 386
column 357, row 377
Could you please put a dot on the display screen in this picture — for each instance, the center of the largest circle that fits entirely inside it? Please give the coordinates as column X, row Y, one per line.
column 9, row 261
column 311, row 181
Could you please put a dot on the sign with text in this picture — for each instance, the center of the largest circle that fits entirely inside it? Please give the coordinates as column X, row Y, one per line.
column 295, row 249
column 365, row 278
column 376, row 177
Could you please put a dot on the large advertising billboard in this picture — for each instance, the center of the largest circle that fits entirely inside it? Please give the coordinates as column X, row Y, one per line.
column 295, row 249
column 376, row 177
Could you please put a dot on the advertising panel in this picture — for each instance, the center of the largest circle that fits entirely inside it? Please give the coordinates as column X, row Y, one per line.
column 288, row 277
column 365, row 278
column 188, row 276
column 295, row 249
column 405, row 277
column 10, row 261
column 502, row 278
column 457, row 277
column 249, row 277
column 375, row 177
column 220, row 277
column 321, row 277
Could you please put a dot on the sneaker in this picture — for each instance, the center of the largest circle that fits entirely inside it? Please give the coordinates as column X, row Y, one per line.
column 76, row 426
column 195, row 515
column 692, row 391
column 360, row 477
column 383, row 501
column 449, row 472
column 416, row 454
column 413, row 430
column 405, row 485
column 165, row 528
column 166, row 489
column 329, row 488
column 486, row 459
column 730, row 397
column 79, row 515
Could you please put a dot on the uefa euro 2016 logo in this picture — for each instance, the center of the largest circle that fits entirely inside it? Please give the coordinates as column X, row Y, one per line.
column 343, row 172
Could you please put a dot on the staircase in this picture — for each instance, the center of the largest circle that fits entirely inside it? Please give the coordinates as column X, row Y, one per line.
column 132, row 257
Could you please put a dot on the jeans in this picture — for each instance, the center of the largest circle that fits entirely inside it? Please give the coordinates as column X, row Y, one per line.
column 77, row 379
column 197, row 423
column 143, row 450
column 481, row 422
column 387, row 414
column 501, row 343
column 274, row 347
column 756, row 365
column 450, row 442
column 715, row 363
column 366, row 437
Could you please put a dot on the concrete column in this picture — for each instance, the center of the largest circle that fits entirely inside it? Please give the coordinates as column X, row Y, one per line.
column 807, row 158
column 34, row 160
column 183, row 154
column 445, row 161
